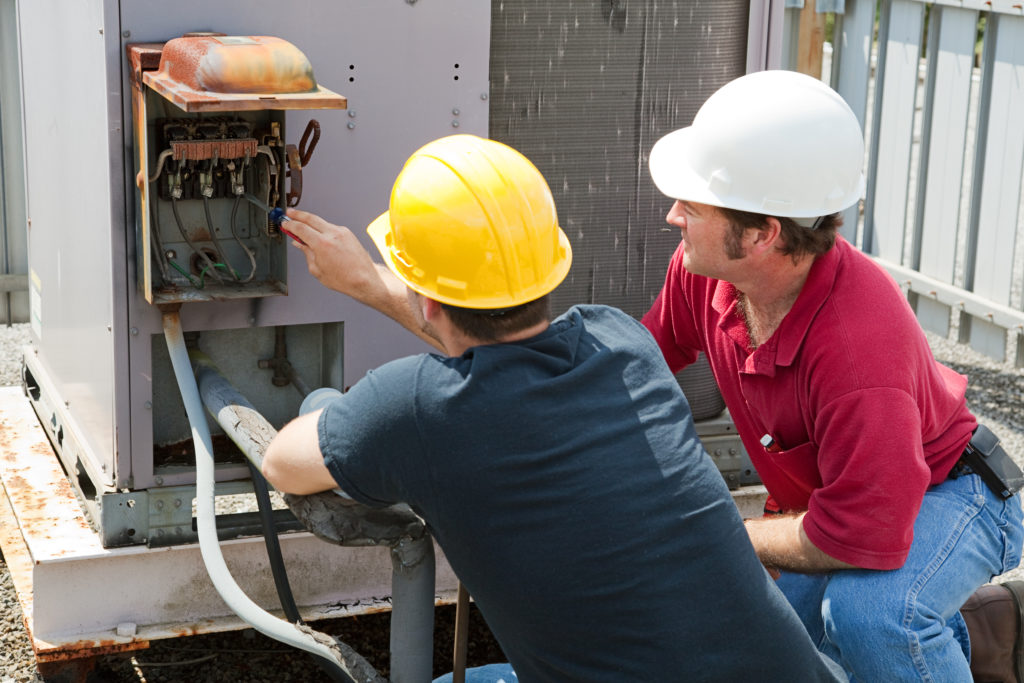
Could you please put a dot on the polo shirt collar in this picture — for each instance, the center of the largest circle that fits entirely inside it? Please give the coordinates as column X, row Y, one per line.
column 782, row 348
column 819, row 285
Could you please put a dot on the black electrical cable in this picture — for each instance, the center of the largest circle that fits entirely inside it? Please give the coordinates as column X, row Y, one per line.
column 284, row 591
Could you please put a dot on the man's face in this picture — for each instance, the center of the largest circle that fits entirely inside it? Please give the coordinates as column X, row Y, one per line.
column 710, row 247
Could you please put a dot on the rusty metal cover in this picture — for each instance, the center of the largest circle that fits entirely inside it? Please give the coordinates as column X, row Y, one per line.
column 232, row 73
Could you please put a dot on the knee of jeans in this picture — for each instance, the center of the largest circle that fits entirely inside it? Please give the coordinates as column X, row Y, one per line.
column 851, row 608
column 1012, row 532
column 845, row 618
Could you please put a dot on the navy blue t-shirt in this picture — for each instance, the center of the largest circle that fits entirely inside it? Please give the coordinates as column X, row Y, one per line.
column 563, row 478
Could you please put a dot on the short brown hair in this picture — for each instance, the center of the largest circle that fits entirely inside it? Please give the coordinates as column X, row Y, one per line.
column 491, row 325
column 797, row 240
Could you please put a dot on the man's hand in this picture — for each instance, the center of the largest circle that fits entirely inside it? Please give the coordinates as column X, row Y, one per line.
column 335, row 257
column 338, row 260
column 781, row 544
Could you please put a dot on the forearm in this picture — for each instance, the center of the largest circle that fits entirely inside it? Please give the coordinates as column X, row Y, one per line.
column 781, row 543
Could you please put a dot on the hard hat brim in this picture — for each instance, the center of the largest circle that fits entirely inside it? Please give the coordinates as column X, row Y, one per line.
column 672, row 173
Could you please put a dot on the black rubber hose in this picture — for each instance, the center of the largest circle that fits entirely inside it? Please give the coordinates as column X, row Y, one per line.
column 284, row 590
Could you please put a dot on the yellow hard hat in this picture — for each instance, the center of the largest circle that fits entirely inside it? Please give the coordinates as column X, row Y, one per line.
column 472, row 223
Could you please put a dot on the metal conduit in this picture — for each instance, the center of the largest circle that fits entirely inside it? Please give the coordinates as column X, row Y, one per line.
column 339, row 520
column 209, row 545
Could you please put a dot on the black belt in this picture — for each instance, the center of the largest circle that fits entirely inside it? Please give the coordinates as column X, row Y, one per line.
column 985, row 457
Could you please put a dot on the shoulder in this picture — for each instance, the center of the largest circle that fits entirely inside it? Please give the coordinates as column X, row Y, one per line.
column 398, row 379
column 607, row 321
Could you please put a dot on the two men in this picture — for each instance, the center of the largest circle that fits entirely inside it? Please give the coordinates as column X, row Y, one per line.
column 882, row 526
column 555, row 461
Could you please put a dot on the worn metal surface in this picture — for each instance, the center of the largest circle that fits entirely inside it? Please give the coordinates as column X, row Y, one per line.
column 233, row 73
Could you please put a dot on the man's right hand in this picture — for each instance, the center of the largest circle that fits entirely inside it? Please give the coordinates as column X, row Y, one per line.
column 337, row 259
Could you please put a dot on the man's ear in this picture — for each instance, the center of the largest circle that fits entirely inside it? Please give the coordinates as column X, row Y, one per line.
column 768, row 235
column 430, row 308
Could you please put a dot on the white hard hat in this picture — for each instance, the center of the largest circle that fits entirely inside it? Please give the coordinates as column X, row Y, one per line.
column 773, row 142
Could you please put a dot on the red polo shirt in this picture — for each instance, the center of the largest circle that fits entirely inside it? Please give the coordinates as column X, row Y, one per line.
column 847, row 386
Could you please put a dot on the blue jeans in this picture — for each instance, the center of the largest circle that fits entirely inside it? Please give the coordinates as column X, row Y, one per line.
column 905, row 624
column 492, row 673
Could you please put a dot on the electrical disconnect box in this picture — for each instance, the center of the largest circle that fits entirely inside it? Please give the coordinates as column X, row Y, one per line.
column 213, row 162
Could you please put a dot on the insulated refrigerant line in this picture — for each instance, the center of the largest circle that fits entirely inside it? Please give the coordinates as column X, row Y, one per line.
column 209, row 544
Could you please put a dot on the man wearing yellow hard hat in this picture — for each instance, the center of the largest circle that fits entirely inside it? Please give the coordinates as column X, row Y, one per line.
column 555, row 461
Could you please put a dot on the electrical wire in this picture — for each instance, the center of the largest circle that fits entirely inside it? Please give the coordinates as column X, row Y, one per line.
column 188, row 275
column 213, row 237
column 234, row 233
column 277, row 568
column 160, row 164
column 184, row 236
column 154, row 239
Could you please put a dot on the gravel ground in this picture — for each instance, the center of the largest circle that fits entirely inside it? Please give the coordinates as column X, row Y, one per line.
column 995, row 393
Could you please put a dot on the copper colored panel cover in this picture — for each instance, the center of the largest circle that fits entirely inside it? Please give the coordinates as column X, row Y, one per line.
column 232, row 73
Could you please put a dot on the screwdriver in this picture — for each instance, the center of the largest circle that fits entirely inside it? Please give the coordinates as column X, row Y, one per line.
column 277, row 215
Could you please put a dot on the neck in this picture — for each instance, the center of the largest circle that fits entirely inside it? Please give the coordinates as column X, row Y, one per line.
column 455, row 343
column 766, row 299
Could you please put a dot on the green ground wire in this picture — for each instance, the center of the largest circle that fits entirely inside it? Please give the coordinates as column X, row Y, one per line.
column 222, row 266
column 174, row 264
column 202, row 274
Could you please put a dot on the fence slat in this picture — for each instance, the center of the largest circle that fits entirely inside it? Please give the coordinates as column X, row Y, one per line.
column 944, row 135
column 996, row 191
column 886, row 210
column 851, row 68
column 998, row 183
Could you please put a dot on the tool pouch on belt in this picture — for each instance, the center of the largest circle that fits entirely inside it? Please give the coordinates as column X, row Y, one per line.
column 987, row 458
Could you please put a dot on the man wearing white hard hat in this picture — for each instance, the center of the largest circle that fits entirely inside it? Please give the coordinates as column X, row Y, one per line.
column 888, row 504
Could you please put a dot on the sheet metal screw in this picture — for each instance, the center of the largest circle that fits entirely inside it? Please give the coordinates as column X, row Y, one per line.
column 455, row 123
column 351, row 125
column 135, row 331
column 483, row 96
column 351, row 113
column 148, row 405
column 126, row 34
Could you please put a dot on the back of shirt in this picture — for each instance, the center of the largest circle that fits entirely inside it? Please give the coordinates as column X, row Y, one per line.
column 563, row 478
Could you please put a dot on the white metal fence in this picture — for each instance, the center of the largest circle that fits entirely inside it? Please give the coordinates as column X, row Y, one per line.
column 939, row 87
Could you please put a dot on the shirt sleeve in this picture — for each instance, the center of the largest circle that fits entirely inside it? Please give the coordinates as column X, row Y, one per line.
column 874, row 477
column 670, row 320
column 369, row 439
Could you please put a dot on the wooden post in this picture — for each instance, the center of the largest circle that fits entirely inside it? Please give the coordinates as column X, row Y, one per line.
column 811, row 40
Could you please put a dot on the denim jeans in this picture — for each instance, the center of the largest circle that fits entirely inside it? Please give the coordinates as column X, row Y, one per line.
column 492, row 673
column 905, row 624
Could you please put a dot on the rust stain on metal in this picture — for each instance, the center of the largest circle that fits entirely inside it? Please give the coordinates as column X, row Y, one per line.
column 221, row 73
column 252, row 65
column 207, row 149
column 87, row 648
